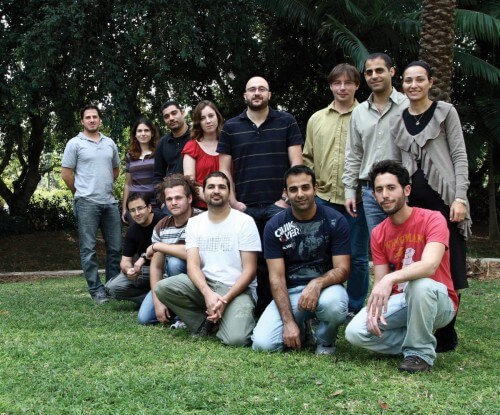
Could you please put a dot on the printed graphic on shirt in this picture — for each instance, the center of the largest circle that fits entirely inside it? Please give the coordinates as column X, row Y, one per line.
column 407, row 260
column 219, row 243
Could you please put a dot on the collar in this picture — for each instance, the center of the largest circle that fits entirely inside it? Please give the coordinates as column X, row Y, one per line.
column 331, row 107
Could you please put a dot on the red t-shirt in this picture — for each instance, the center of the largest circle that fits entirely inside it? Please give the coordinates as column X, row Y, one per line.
column 401, row 245
column 205, row 163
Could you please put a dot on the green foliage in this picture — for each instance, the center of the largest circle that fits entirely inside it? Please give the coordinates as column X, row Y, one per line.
column 60, row 354
column 13, row 225
column 54, row 213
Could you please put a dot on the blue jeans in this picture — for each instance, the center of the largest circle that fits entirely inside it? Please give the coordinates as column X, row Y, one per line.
column 91, row 217
column 359, row 279
column 373, row 213
column 147, row 315
column 330, row 312
column 411, row 318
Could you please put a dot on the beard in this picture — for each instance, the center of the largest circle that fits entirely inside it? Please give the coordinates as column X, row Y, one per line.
column 257, row 107
column 399, row 204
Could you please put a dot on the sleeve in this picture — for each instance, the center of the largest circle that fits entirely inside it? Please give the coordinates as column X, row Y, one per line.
column 160, row 166
column 249, row 239
column 294, row 136
column 190, row 235
column 353, row 157
column 155, row 237
column 190, row 149
column 69, row 156
column 224, row 145
column 308, row 151
column 129, row 244
column 377, row 248
column 272, row 244
column 127, row 163
column 116, row 156
column 341, row 239
column 437, row 229
column 458, row 153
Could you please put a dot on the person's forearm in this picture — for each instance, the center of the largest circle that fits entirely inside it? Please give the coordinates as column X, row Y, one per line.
column 282, row 300
column 177, row 250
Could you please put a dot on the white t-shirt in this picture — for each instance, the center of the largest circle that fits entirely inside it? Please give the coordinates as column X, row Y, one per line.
column 220, row 244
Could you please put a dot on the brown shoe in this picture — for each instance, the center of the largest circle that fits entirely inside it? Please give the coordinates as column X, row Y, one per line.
column 413, row 364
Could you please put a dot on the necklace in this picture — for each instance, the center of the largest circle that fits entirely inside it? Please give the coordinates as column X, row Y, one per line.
column 417, row 120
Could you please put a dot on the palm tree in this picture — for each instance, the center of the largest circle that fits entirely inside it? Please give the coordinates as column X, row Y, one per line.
column 437, row 41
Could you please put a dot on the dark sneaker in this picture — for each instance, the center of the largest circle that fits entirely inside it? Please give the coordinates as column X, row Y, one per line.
column 350, row 315
column 206, row 329
column 309, row 339
column 446, row 337
column 414, row 364
column 100, row 297
column 324, row 350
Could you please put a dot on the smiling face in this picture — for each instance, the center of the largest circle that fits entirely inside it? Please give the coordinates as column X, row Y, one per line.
column 143, row 134
column 140, row 211
column 91, row 121
column 378, row 76
column 416, row 83
column 216, row 192
column 176, row 200
column 174, row 118
column 257, row 94
column 389, row 193
column 301, row 192
column 343, row 89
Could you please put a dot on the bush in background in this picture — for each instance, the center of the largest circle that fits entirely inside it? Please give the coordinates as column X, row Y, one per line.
column 52, row 214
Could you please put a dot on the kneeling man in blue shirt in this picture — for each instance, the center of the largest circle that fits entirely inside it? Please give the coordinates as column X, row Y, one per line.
column 307, row 249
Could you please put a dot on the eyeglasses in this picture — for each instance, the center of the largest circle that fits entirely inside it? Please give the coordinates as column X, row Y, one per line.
column 137, row 209
column 254, row 89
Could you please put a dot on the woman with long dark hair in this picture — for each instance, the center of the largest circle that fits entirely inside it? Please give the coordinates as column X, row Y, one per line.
column 139, row 162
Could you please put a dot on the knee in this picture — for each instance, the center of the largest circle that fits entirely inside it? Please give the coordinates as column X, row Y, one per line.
column 354, row 332
column 161, row 290
column 175, row 266
column 419, row 289
column 262, row 342
column 333, row 302
column 236, row 340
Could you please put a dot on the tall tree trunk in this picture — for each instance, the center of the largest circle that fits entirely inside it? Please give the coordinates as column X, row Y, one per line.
column 493, row 229
column 437, row 40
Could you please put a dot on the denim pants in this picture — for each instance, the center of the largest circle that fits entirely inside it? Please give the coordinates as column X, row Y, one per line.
column 411, row 318
column 147, row 315
column 359, row 278
column 90, row 217
column 373, row 212
column 179, row 294
column 331, row 312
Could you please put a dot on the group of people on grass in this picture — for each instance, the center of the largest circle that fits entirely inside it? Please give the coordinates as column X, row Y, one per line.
column 243, row 230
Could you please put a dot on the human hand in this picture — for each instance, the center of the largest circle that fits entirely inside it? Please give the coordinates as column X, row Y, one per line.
column 138, row 264
column 240, row 206
column 162, row 312
column 215, row 304
column 132, row 274
column 458, row 211
column 350, row 206
column 124, row 216
column 308, row 300
column 281, row 203
column 377, row 304
column 291, row 335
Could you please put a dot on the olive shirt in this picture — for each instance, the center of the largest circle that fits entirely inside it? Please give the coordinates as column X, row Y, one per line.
column 324, row 150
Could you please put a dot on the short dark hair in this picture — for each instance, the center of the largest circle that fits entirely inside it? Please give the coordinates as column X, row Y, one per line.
column 173, row 180
column 217, row 173
column 344, row 69
column 422, row 64
column 139, row 196
column 169, row 103
column 391, row 167
column 90, row 107
column 387, row 59
column 299, row 169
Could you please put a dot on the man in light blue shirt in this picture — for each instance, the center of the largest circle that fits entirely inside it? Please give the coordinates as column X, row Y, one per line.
column 90, row 165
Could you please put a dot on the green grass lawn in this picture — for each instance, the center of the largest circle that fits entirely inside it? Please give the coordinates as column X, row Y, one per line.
column 59, row 354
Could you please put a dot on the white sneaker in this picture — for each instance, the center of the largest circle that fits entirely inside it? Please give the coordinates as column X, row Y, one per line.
column 324, row 350
column 178, row 325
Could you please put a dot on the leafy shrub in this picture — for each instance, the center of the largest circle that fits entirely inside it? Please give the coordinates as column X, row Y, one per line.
column 54, row 213
column 13, row 225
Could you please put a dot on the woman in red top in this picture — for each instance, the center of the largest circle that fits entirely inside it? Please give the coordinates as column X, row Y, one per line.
column 200, row 155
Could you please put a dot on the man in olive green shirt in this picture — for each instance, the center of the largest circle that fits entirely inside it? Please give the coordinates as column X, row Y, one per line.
column 324, row 153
